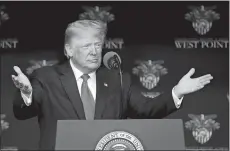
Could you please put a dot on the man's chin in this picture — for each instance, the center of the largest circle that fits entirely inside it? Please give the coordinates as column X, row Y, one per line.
column 93, row 66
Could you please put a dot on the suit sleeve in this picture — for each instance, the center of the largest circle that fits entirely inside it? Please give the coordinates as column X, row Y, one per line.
column 142, row 107
column 23, row 111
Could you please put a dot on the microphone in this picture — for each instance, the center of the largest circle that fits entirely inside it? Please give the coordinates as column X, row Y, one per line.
column 112, row 60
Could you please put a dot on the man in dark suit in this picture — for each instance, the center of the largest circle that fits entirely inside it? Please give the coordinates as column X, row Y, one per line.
column 80, row 90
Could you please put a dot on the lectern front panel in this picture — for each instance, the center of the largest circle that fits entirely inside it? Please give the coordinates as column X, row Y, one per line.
column 156, row 134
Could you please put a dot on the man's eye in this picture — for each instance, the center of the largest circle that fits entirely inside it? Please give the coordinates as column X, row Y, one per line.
column 85, row 47
column 98, row 45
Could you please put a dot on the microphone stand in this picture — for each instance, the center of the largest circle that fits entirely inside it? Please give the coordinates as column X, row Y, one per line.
column 118, row 65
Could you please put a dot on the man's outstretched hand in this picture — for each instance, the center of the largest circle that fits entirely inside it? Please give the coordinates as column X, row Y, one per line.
column 4, row 124
column 189, row 85
column 21, row 81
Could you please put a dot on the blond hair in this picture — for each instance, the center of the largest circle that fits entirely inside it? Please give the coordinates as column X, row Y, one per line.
column 98, row 25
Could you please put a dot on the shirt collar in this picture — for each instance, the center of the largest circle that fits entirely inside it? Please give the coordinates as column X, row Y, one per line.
column 78, row 73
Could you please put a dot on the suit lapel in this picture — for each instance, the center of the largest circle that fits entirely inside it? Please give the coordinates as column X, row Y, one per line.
column 102, row 93
column 70, row 85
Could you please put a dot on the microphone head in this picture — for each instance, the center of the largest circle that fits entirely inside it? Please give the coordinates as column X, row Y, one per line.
column 108, row 56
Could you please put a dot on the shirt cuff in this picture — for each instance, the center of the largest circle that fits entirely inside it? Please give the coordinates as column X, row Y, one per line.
column 27, row 100
column 176, row 100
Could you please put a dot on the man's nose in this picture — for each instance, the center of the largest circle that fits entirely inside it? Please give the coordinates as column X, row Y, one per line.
column 93, row 50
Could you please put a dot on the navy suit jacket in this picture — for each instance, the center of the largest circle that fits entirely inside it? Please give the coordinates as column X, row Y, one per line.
column 56, row 97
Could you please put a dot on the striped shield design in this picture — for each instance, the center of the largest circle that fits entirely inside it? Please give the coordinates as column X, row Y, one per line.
column 202, row 135
column 202, row 26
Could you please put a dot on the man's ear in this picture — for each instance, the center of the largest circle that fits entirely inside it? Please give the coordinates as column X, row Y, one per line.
column 68, row 50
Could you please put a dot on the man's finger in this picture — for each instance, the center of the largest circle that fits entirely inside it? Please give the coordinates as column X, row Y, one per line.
column 21, row 85
column 190, row 73
column 13, row 76
column 5, row 124
column 199, row 87
column 17, row 70
column 26, row 87
column 15, row 79
column 205, row 82
column 3, row 116
column 206, row 77
column 17, row 83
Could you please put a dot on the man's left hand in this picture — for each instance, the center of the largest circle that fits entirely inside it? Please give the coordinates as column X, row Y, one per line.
column 188, row 85
column 4, row 124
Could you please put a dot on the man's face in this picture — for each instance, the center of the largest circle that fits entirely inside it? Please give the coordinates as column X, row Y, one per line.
column 86, row 50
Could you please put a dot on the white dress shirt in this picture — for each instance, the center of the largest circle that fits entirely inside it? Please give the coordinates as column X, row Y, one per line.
column 92, row 86
column 91, row 81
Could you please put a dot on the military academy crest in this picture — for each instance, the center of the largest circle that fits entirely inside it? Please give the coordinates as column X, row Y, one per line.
column 119, row 140
column 149, row 73
column 97, row 13
column 3, row 15
column 39, row 64
column 202, row 126
column 102, row 14
column 202, row 18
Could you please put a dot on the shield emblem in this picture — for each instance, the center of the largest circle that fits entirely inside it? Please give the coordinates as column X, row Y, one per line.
column 202, row 26
column 202, row 135
column 149, row 81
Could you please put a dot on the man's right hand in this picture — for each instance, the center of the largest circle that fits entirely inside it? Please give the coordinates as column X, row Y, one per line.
column 22, row 82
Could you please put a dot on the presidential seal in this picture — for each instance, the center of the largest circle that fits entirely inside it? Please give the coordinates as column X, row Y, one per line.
column 119, row 140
